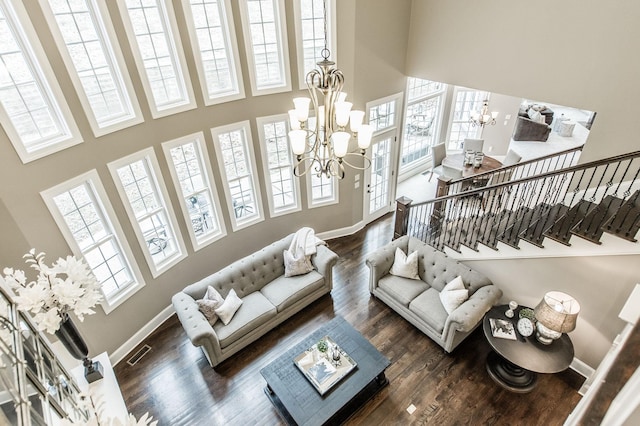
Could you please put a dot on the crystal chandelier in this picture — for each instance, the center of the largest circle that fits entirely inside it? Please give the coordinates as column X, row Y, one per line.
column 483, row 117
column 321, row 143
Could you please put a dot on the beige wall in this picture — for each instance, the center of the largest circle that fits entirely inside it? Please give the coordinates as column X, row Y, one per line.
column 576, row 53
column 25, row 221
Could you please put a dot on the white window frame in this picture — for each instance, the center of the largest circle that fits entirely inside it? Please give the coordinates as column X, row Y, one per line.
column 245, row 128
column 261, row 122
column 45, row 79
column 331, row 39
column 407, row 169
column 148, row 156
column 198, row 140
column 174, row 44
column 313, row 203
column 481, row 96
column 231, row 47
column 92, row 179
column 283, row 48
column 105, row 27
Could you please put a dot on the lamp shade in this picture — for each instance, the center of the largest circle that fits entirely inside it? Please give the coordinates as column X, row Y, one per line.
column 557, row 311
column 355, row 120
column 340, row 143
column 302, row 108
column 298, row 140
column 342, row 113
column 364, row 136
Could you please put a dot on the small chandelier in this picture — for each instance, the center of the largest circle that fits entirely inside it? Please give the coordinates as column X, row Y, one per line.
column 322, row 145
column 483, row 117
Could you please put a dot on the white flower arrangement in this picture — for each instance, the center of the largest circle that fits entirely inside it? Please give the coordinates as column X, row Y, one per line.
column 68, row 285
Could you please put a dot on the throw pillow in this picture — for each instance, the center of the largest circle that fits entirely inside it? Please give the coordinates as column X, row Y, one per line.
column 208, row 304
column 405, row 266
column 229, row 307
column 453, row 294
column 296, row 265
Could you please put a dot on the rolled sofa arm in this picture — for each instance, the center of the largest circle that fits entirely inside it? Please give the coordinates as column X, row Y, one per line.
column 324, row 261
column 470, row 313
column 198, row 329
column 381, row 260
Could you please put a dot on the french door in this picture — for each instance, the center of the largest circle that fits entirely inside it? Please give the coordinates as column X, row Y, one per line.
column 380, row 179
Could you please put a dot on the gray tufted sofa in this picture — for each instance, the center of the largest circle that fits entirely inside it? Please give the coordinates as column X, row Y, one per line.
column 268, row 298
column 418, row 301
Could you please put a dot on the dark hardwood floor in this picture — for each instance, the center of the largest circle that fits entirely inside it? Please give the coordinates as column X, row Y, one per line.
column 175, row 384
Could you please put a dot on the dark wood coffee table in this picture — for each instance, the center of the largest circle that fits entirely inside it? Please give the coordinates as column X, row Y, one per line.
column 514, row 364
column 299, row 403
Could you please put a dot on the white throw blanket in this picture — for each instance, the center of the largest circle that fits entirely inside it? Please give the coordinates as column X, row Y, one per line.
column 304, row 243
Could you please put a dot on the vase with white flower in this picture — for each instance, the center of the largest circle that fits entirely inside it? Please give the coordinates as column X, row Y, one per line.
column 67, row 286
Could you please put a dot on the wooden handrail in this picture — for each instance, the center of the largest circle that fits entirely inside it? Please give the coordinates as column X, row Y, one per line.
column 566, row 170
column 513, row 166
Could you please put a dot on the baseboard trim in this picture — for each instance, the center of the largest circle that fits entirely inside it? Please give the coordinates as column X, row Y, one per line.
column 581, row 368
column 119, row 354
column 341, row 232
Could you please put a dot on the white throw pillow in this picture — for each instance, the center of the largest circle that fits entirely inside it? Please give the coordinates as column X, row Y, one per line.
column 231, row 304
column 405, row 266
column 453, row 294
column 208, row 304
column 296, row 265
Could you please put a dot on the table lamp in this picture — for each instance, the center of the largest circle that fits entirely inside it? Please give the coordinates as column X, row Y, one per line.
column 555, row 314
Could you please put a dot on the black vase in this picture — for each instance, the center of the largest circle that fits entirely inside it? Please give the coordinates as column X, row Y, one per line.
column 72, row 340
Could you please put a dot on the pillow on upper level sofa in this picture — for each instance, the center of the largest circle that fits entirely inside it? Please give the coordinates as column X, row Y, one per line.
column 405, row 266
column 454, row 294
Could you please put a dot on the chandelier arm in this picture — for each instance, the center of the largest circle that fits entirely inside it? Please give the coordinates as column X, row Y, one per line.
column 366, row 160
column 299, row 170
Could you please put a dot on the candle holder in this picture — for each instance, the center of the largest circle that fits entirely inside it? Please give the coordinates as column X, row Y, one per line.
column 468, row 157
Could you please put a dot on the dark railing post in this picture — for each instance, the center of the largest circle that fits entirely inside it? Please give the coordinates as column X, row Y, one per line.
column 402, row 216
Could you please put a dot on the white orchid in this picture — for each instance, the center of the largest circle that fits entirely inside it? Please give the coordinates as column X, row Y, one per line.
column 64, row 287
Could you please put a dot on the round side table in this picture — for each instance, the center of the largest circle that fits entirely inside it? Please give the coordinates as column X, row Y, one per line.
column 514, row 364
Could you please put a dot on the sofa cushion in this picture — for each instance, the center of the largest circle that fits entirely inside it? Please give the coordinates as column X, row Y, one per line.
column 255, row 311
column 285, row 291
column 405, row 266
column 404, row 290
column 429, row 308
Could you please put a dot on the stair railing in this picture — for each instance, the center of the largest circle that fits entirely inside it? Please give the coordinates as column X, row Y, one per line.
column 531, row 207
column 532, row 167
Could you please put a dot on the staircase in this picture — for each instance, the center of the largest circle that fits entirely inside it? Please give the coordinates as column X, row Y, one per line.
column 576, row 201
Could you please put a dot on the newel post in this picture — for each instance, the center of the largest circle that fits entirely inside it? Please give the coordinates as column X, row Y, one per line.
column 402, row 216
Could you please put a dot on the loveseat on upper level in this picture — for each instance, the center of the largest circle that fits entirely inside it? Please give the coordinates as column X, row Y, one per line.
column 268, row 298
column 418, row 300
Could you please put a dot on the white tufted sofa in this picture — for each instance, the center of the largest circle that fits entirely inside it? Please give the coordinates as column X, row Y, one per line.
column 418, row 301
column 268, row 298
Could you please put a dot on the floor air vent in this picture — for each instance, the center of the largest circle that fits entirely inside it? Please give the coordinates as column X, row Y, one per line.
column 138, row 355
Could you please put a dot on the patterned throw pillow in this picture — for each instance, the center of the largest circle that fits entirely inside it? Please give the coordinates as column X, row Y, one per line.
column 208, row 304
column 296, row 265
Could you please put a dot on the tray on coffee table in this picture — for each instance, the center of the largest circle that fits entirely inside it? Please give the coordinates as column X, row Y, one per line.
column 324, row 364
